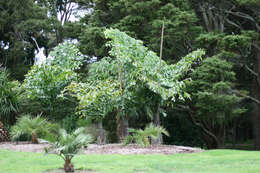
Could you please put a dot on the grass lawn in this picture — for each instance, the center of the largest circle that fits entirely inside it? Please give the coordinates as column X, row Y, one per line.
column 215, row 161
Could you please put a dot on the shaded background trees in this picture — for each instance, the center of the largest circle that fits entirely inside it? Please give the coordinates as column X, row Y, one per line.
column 227, row 30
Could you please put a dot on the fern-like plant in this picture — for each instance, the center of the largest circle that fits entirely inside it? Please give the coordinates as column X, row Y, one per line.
column 143, row 137
column 68, row 145
column 34, row 127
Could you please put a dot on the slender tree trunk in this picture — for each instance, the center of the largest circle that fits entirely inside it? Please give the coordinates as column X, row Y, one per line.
column 101, row 135
column 234, row 135
column 157, row 122
column 68, row 166
column 3, row 133
column 156, row 118
column 221, row 137
column 256, row 94
column 122, row 128
column 122, row 121
column 35, row 138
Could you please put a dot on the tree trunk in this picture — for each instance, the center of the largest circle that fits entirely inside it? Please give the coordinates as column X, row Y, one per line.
column 101, row 136
column 234, row 135
column 35, row 138
column 68, row 166
column 211, row 143
column 208, row 136
column 3, row 133
column 122, row 128
column 157, row 122
column 256, row 94
column 214, row 141
column 221, row 137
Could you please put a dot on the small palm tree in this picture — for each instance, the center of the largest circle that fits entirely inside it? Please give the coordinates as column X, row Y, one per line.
column 33, row 126
column 68, row 145
column 143, row 137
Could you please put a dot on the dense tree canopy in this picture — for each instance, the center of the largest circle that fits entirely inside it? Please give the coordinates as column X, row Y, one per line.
column 112, row 73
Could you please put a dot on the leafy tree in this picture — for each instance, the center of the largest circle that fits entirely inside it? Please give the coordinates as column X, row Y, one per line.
column 35, row 127
column 68, row 145
column 143, row 137
column 138, row 20
column 44, row 82
column 60, row 13
column 20, row 21
column 134, row 67
column 236, row 24
column 213, row 104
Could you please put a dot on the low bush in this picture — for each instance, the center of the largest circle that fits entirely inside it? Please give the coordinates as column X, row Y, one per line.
column 33, row 127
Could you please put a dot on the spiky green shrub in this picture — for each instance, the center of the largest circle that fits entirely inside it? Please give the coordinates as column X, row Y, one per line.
column 34, row 127
column 144, row 137
column 68, row 145
column 9, row 98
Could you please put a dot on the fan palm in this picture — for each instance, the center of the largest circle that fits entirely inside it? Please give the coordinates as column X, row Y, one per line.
column 32, row 126
column 68, row 145
column 142, row 137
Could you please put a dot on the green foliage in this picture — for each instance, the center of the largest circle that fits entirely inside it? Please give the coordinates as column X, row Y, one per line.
column 143, row 137
column 69, row 123
column 44, row 82
column 28, row 125
column 21, row 20
column 143, row 65
column 67, row 56
column 95, row 101
column 9, row 94
column 102, row 94
column 138, row 20
column 68, row 145
column 211, row 87
column 213, row 103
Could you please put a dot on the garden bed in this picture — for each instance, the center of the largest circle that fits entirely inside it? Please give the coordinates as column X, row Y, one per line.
column 106, row 149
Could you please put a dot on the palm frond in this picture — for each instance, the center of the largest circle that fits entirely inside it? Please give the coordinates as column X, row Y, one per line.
column 27, row 125
column 68, row 145
column 141, row 137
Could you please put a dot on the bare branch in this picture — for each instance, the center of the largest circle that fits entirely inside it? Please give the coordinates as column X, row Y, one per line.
column 245, row 16
column 233, row 23
column 256, row 46
column 246, row 96
column 251, row 71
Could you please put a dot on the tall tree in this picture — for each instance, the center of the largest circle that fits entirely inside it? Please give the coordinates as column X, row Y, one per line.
column 44, row 82
column 132, row 68
column 60, row 13
column 213, row 106
column 236, row 23
column 138, row 20
column 20, row 21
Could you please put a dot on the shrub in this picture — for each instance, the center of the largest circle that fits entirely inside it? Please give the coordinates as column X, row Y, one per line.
column 9, row 94
column 34, row 127
column 68, row 145
column 143, row 137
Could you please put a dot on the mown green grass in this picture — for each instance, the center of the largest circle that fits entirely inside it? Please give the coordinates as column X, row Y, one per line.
column 215, row 161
